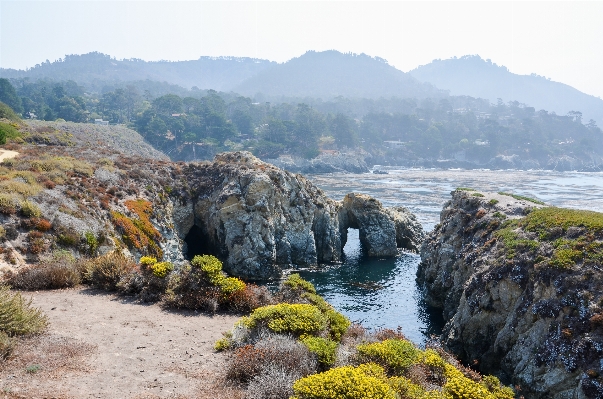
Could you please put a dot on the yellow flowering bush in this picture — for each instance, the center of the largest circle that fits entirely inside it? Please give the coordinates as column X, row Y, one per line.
column 297, row 319
column 212, row 267
column 364, row 381
column 161, row 269
column 148, row 260
column 395, row 354
column 460, row 387
column 338, row 323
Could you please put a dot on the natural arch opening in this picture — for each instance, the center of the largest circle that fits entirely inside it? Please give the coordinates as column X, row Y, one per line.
column 197, row 243
column 352, row 250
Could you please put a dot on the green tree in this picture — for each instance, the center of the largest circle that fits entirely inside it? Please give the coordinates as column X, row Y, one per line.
column 8, row 96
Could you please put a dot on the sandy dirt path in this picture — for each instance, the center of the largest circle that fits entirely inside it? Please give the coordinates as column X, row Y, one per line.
column 6, row 154
column 99, row 345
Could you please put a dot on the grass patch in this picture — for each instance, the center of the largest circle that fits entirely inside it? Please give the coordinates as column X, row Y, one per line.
column 522, row 198
column 477, row 195
column 465, row 189
column 540, row 220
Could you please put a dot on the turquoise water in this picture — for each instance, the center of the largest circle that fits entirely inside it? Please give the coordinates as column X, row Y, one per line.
column 382, row 293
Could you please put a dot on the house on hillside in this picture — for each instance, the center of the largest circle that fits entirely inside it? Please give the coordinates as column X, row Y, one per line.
column 101, row 122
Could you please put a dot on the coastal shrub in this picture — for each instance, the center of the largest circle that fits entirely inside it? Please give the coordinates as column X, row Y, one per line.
column 138, row 233
column 282, row 352
column 477, row 195
column 465, row 189
column 20, row 187
column 161, row 269
column 323, row 348
column 106, row 271
column 9, row 203
column 6, row 346
column 17, row 316
column 60, row 271
column 460, row 387
column 394, row 354
column 91, row 242
column 2, row 233
column 272, row 383
column 30, row 209
column 212, row 267
column 203, row 285
column 297, row 290
column 298, row 319
column 543, row 219
column 493, row 201
column 364, row 381
column 250, row 298
column 565, row 257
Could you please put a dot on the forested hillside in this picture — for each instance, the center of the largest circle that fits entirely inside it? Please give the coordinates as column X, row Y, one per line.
column 96, row 70
column 473, row 76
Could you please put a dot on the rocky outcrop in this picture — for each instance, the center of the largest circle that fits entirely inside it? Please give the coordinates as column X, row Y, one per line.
column 520, row 287
column 336, row 162
column 258, row 219
column 261, row 219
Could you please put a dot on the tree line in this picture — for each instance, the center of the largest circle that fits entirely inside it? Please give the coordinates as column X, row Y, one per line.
column 409, row 128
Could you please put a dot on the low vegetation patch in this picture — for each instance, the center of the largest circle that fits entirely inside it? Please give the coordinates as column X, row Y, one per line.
column 522, row 198
column 17, row 316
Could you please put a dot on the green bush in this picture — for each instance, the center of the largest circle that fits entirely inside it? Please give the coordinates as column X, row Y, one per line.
column 364, row 381
column 30, row 209
column 17, row 316
column 91, row 242
column 9, row 203
column 394, row 354
column 298, row 319
column 295, row 282
column 323, row 348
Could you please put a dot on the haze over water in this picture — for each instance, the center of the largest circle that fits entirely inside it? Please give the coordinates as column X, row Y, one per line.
column 383, row 292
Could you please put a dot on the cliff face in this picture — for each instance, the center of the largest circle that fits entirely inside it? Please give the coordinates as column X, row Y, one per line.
column 256, row 217
column 261, row 219
column 520, row 287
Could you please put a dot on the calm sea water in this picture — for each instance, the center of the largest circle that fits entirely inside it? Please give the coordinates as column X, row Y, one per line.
column 382, row 293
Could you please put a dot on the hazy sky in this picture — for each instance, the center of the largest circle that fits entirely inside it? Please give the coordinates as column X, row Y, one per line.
column 560, row 40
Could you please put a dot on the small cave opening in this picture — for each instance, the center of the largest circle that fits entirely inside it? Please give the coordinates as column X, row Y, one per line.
column 197, row 243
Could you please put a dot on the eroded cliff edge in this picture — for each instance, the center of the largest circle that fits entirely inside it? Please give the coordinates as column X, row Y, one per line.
column 258, row 219
column 520, row 285
column 261, row 219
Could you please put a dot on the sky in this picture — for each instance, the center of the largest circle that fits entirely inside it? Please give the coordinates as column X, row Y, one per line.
column 559, row 40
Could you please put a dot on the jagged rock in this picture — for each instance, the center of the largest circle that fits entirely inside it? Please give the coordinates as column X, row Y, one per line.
column 409, row 232
column 261, row 219
column 510, row 309
column 376, row 227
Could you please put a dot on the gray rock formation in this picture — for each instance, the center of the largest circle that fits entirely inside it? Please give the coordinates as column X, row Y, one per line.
column 516, row 303
column 353, row 162
column 261, row 219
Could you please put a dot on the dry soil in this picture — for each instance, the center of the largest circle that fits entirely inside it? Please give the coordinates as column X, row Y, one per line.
column 100, row 345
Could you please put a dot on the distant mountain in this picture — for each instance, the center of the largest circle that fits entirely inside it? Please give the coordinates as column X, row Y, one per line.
column 330, row 74
column 473, row 76
column 96, row 70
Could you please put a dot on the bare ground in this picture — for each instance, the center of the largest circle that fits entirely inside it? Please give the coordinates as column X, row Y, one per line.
column 100, row 345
